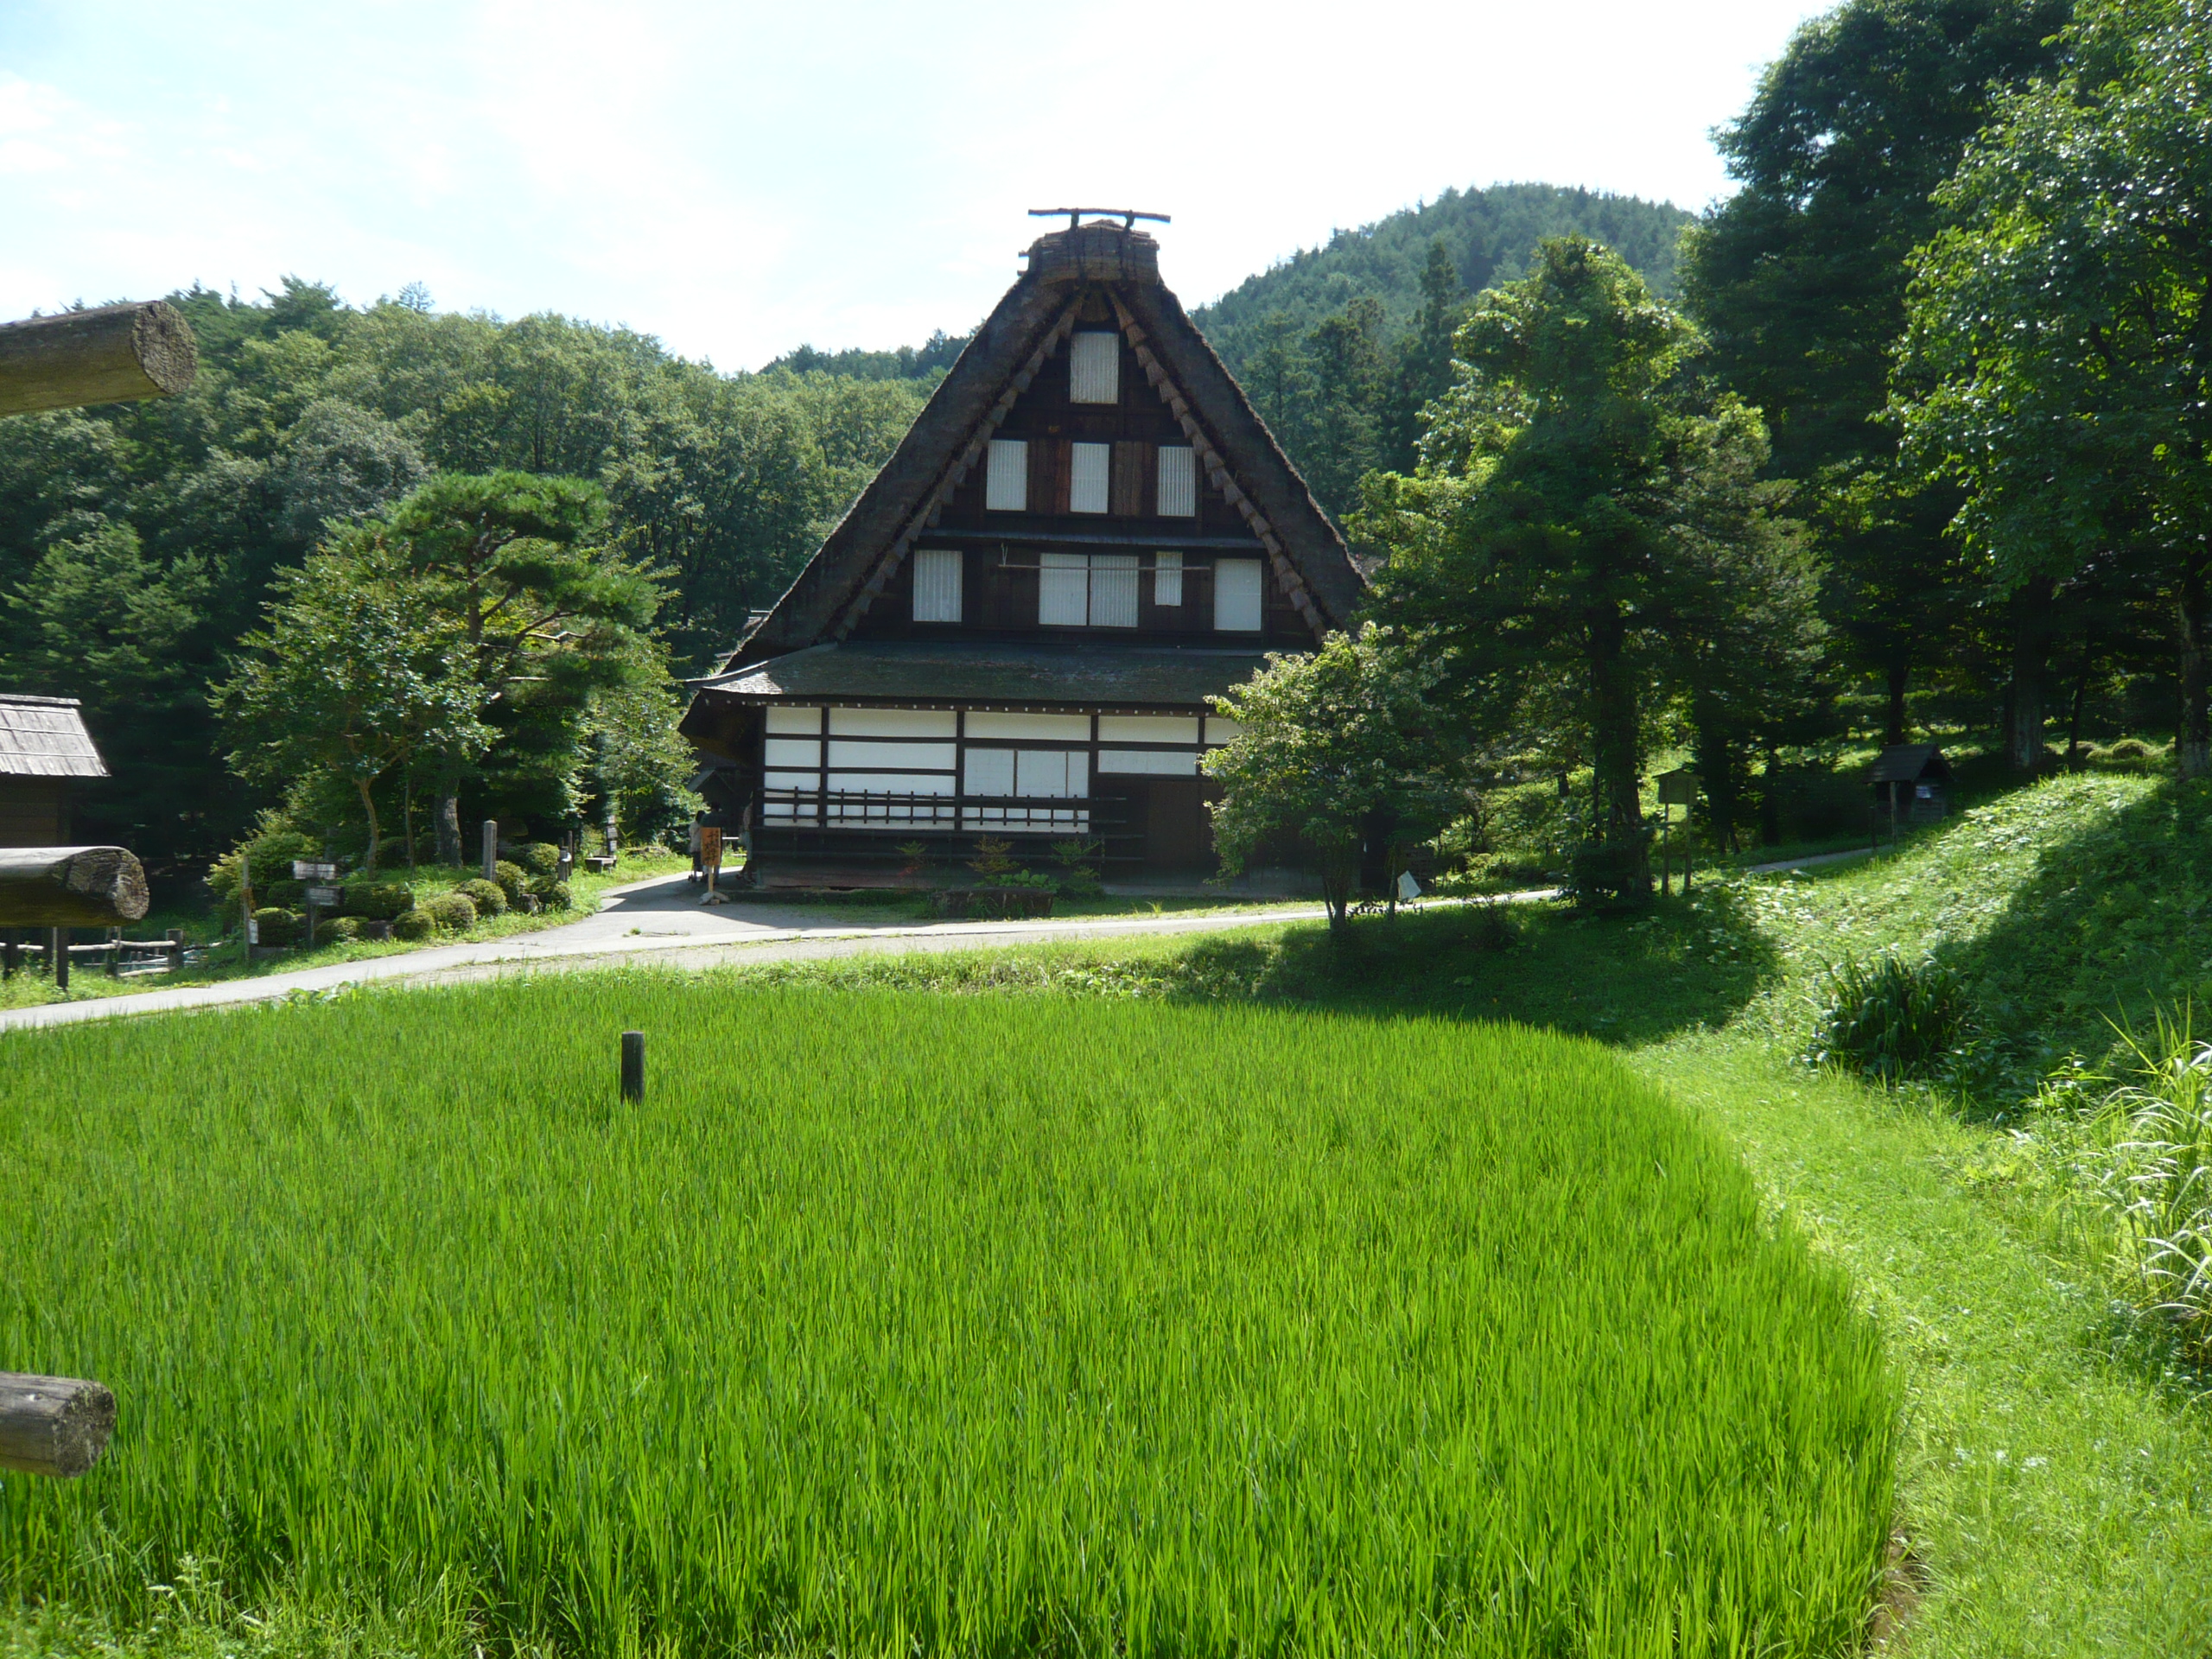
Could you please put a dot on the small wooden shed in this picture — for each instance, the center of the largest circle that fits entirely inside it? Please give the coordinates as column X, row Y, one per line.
column 1912, row 784
column 44, row 750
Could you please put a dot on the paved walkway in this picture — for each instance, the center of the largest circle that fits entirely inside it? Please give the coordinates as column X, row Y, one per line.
column 648, row 920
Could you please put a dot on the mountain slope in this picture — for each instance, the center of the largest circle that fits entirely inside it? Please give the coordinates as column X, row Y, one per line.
column 1489, row 234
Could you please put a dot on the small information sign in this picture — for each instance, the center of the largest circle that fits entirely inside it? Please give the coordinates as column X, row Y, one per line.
column 324, row 898
column 304, row 869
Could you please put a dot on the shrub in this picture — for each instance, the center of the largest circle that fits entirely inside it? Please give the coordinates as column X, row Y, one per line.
column 379, row 901
column 554, row 895
column 276, row 926
column 1079, row 867
column 337, row 929
column 511, row 881
column 416, row 923
column 2129, row 748
column 486, row 896
column 1608, row 873
column 454, row 911
column 538, row 857
column 1890, row 1018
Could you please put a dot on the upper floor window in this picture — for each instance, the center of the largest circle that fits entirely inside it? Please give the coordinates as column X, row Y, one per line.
column 936, row 585
column 1090, row 469
column 1238, row 595
column 1087, row 590
column 1095, row 368
column 1167, row 578
column 1179, row 483
column 1006, row 479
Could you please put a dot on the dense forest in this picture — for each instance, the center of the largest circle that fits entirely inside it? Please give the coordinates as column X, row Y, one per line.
column 138, row 542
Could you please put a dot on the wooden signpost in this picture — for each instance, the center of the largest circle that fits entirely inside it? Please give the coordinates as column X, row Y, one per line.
column 1676, row 788
column 59, row 1425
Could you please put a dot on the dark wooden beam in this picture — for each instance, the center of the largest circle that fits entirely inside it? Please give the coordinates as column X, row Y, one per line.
column 116, row 354
column 55, row 1425
column 70, row 886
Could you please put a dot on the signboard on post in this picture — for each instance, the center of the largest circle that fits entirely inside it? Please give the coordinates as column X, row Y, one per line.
column 324, row 898
column 1676, row 788
column 309, row 869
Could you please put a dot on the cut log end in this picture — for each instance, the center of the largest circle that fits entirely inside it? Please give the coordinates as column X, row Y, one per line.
column 117, row 353
column 53, row 1426
column 70, row 886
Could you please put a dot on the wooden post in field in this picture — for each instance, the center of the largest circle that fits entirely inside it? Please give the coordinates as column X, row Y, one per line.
column 57, row 951
column 11, row 955
column 53, row 1426
column 114, row 963
column 490, row 849
column 176, row 937
column 633, row 1065
column 115, row 354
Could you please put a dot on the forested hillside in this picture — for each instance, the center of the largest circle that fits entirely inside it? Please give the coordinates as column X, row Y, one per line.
column 137, row 541
column 1341, row 346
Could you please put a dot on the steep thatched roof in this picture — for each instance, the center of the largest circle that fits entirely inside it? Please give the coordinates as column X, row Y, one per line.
column 45, row 737
column 1237, row 452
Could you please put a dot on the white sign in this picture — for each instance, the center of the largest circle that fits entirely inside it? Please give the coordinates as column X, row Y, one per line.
column 1408, row 889
column 252, row 932
column 324, row 898
column 309, row 870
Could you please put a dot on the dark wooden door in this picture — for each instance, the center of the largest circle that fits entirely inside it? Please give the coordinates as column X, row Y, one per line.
column 1178, row 831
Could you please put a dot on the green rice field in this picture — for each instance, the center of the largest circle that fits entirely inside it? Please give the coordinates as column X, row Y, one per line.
column 894, row 1324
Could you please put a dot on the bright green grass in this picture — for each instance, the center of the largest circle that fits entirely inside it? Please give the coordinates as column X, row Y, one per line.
column 892, row 1323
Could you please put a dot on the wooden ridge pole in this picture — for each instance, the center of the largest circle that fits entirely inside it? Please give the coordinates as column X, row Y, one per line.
column 55, row 1426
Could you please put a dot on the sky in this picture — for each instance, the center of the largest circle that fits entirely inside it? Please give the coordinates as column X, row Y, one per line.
column 740, row 179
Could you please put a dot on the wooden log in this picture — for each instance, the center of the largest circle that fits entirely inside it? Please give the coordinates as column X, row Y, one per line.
column 116, row 354
column 70, row 886
column 55, row 1425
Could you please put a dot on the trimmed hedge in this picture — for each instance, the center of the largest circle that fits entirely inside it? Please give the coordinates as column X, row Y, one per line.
column 486, row 897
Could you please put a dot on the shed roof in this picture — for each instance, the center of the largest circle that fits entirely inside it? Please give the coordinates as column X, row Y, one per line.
column 932, row 672
column 1908, row 763
column 45, row 737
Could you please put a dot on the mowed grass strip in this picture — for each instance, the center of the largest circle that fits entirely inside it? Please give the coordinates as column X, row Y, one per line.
column 891, row 1323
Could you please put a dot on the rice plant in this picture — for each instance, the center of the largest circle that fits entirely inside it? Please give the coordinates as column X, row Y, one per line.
column 892, row 1324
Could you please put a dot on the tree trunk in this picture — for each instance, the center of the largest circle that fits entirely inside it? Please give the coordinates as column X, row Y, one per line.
column 2024, row 721
column 1615, row 735
column 2193, row 742
column 1893, row 719
column 2081, row 697
column 375, row 837
column 1719, row 771
column 448, row 817
column 407, row 812
column 1771, row 798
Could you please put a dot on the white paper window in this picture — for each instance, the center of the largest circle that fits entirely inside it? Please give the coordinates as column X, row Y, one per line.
column 859, row 752
column 988, row 771
column 892, row 722
column 1006, row 483
column 1068, row 728
column 1178, row 482
column 895, row 783
column 793, row 752
column 1236, row 595
column 1167, row 578
column 1090, row 468
column 1219, row 730
column 1147, row 728
column 1052, row 774
column 787, row 719
column 936, row 585
column 1095, row 368
column 1113, row 590
column 1158, row 763
column 1063, row 590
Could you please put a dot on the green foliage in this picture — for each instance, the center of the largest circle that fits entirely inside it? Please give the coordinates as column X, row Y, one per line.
column 1333, row 747
column 994, row 859
column 275, row 926
column 554, row 895
column 1890, row 1019
column 337, row 929
column 511, row 879
column 450, row 912
column 538, row 857
column 1077, row 858
column 488, row 897
column 414, row 925
column 380, row 901
column 265, row 857
column 1025, row 1290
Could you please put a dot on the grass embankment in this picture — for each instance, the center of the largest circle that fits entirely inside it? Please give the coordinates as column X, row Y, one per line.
column 1005, row 1326
column 222, row 954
